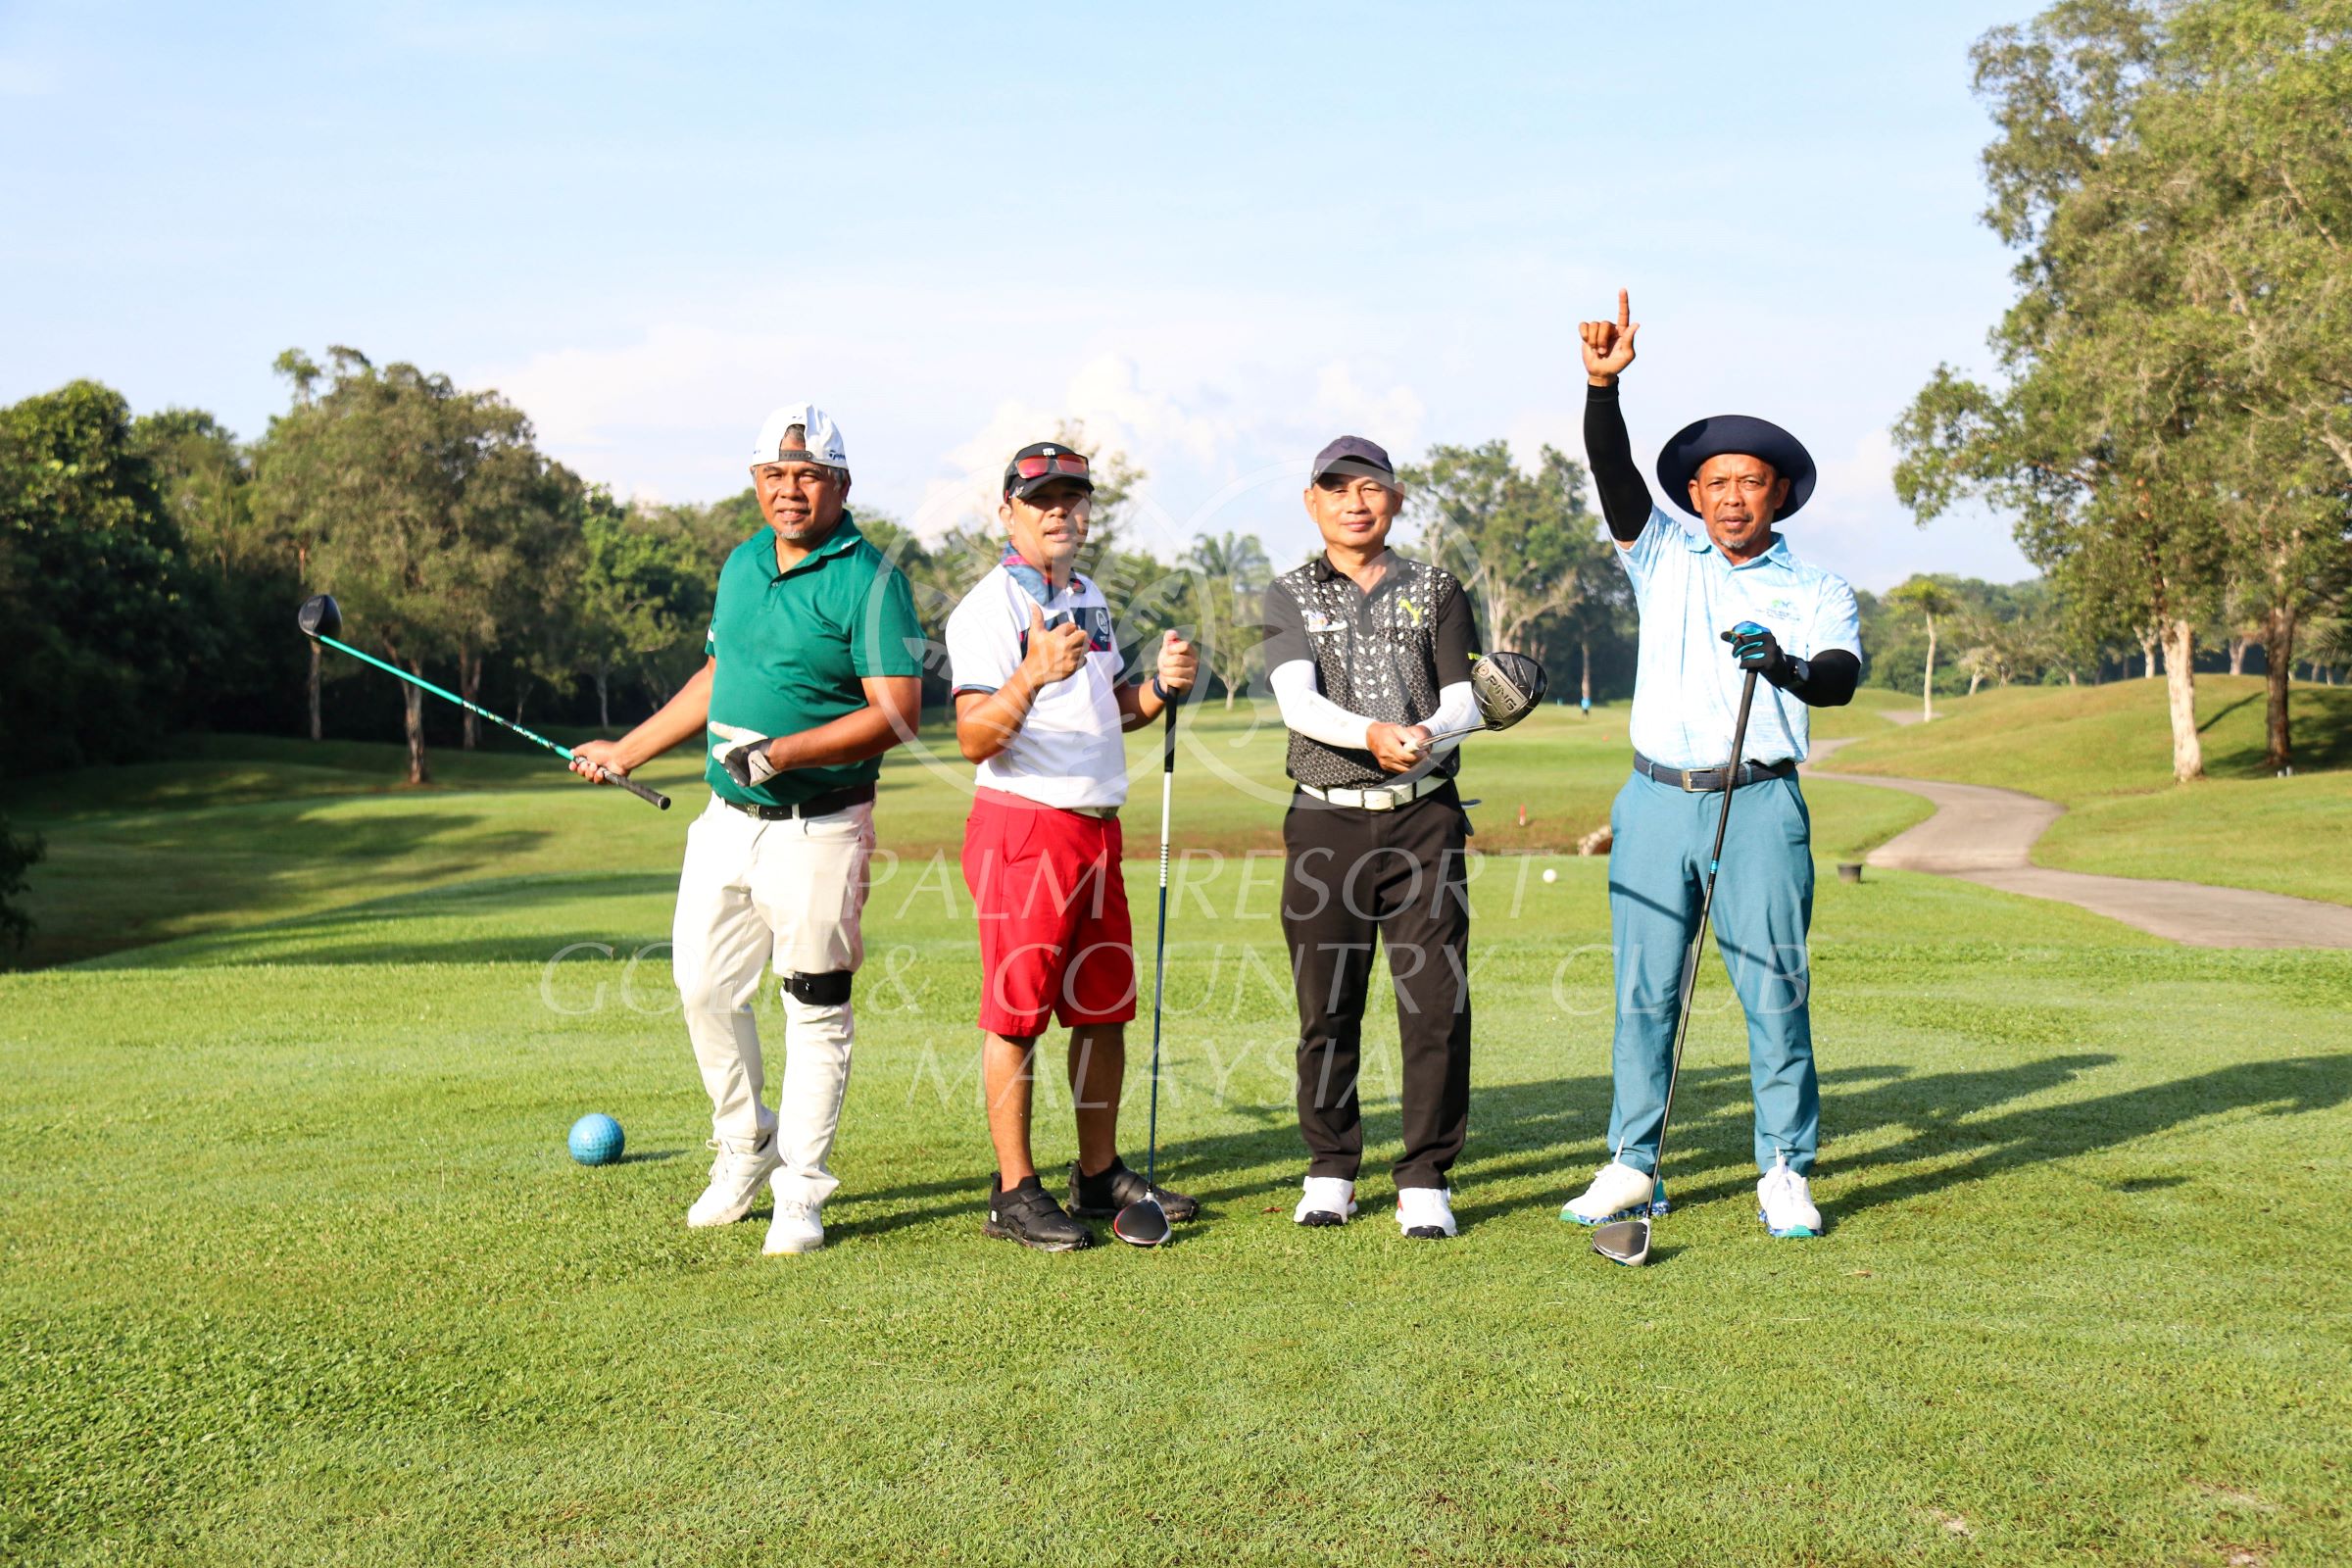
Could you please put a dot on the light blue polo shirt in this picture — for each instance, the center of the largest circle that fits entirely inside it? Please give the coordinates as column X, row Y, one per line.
column 1685, row 683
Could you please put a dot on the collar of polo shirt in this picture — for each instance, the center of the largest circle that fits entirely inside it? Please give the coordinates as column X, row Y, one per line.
column 1699, row 543
column 845, row 534
column 1324, row 571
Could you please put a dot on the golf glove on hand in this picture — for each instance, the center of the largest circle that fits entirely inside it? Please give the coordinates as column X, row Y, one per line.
column 743, row 755
column 1756, row 647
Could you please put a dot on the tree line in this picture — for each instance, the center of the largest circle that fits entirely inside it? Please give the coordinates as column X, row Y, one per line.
column 150, row 566
column 2173, row 426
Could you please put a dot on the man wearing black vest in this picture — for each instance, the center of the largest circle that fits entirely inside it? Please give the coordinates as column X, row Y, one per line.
column 1369, row 655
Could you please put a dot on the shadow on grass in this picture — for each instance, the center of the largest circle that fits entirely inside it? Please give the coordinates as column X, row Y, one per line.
column 339, row 936
column 106, row 891
column 2225, row 712
column 1551, row 1131
column 1953, row 1141
column 2319, row 729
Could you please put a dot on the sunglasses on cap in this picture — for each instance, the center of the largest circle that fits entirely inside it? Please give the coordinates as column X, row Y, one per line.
column 1037, row 465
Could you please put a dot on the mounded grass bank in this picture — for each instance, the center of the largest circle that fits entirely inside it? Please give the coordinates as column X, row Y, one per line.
column 2105, row 753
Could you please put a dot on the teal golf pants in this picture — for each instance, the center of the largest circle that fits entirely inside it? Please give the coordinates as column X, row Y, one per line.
column 1763, row 907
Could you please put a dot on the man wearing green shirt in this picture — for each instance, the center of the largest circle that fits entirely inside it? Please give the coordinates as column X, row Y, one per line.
column 815, row 672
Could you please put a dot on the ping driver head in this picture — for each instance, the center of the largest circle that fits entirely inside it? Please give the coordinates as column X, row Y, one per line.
column 1626, row 1241
column 320, row 616
column 1142, row 1223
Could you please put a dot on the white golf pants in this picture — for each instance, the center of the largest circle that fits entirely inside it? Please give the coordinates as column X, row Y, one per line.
column 789, row 892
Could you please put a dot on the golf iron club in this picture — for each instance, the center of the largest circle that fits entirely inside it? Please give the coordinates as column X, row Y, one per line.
column 320, row 620
column 1144, row 1223
column 1626, row 1240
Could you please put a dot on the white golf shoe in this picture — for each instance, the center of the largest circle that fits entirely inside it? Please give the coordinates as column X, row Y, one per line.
column 735, row 1178
column 1326, row 1200
column 1784, row 1203
column 1425, row 1214
column 1618, row 1192
column 799, row 1226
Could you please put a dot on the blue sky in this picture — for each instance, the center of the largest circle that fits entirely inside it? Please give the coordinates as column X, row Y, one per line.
column 1220, row 235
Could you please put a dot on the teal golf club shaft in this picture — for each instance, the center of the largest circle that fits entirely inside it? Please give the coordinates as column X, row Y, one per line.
column 654, row 797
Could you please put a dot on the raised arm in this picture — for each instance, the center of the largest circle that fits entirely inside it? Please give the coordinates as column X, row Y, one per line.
column 1625, row 500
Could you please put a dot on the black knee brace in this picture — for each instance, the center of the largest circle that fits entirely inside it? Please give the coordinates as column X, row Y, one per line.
column 820, row 990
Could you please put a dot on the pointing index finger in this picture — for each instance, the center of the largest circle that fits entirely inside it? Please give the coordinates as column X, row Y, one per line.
column 1625, row 311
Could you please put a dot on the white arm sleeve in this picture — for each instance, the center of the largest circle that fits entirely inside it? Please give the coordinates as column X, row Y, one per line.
column 1457, row 709
column 1313, row 715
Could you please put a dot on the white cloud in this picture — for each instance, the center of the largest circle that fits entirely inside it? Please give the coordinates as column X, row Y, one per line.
column 1221, row 399
column 1390, row 416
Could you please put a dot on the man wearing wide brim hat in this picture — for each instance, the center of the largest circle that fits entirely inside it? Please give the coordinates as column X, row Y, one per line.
column 1795, row 625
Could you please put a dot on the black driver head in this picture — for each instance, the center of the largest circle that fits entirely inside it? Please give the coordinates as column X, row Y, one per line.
column 1626, row 1241
column 1508, row 687
column 320, row 617
column 1142, row 1223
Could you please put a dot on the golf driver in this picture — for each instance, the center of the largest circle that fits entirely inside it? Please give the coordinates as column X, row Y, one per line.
column 1144, row 1223
column 1508, row 687
column 320, row 620
column 1626, row 1240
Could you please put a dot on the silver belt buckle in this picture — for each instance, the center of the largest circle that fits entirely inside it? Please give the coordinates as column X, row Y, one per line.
column 1380, row 800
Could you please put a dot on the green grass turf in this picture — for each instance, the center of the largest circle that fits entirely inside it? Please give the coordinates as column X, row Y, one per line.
column 241, row 832
column 2105, row 753
column 296, row 1269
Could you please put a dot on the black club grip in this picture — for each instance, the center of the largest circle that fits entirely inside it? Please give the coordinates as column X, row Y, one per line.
column 650, row 796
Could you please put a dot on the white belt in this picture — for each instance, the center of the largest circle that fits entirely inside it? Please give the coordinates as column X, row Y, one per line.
column 1385, row 798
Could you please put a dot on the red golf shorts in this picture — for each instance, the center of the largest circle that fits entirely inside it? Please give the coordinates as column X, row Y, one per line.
column 1055, row 938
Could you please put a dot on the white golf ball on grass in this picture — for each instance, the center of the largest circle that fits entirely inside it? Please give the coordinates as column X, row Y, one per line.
column 1551, row 875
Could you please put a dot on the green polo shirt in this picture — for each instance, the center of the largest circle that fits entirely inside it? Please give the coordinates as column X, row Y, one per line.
column 793, row 646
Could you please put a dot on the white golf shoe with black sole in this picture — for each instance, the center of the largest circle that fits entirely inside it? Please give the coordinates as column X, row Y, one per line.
column 1425, row 1214
column 735, row 1178
column 1326, row 1200
column 1784, row 1203
column 1618, row 1192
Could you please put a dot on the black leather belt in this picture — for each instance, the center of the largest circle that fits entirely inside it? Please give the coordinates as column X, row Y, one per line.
column 820, row 805
column 1706, row 781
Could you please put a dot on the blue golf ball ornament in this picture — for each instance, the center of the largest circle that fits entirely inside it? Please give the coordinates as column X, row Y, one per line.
column 596, row 1139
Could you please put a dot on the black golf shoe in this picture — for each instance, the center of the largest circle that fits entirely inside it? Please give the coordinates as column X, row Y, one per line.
column 1025, row 1214
column 1109, row 1191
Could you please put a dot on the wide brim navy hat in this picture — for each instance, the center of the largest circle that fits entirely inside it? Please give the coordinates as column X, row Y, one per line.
column 1694, row 443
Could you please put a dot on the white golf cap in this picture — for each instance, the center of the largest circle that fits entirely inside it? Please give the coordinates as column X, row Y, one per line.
column 822, row 437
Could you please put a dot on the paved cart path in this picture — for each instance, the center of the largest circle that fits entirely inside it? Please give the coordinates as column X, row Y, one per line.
column 1981, row 834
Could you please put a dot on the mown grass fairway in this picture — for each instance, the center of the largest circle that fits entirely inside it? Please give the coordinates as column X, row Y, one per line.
column 2105, row 754
column 297, row 1269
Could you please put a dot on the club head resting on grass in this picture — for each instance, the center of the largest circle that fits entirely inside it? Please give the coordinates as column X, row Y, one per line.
column 320, row 616
column 1625, row 1240
column 1142, row 1223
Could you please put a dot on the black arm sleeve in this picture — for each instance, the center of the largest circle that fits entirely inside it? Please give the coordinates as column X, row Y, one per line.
column 1624, row 497
column 1458, row 635
column 1825, row 680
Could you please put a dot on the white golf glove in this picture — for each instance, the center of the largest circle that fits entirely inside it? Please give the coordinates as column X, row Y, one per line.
column 743, row 754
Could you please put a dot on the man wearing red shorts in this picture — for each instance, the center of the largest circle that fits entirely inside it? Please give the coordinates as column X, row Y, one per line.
column 1040, row 705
